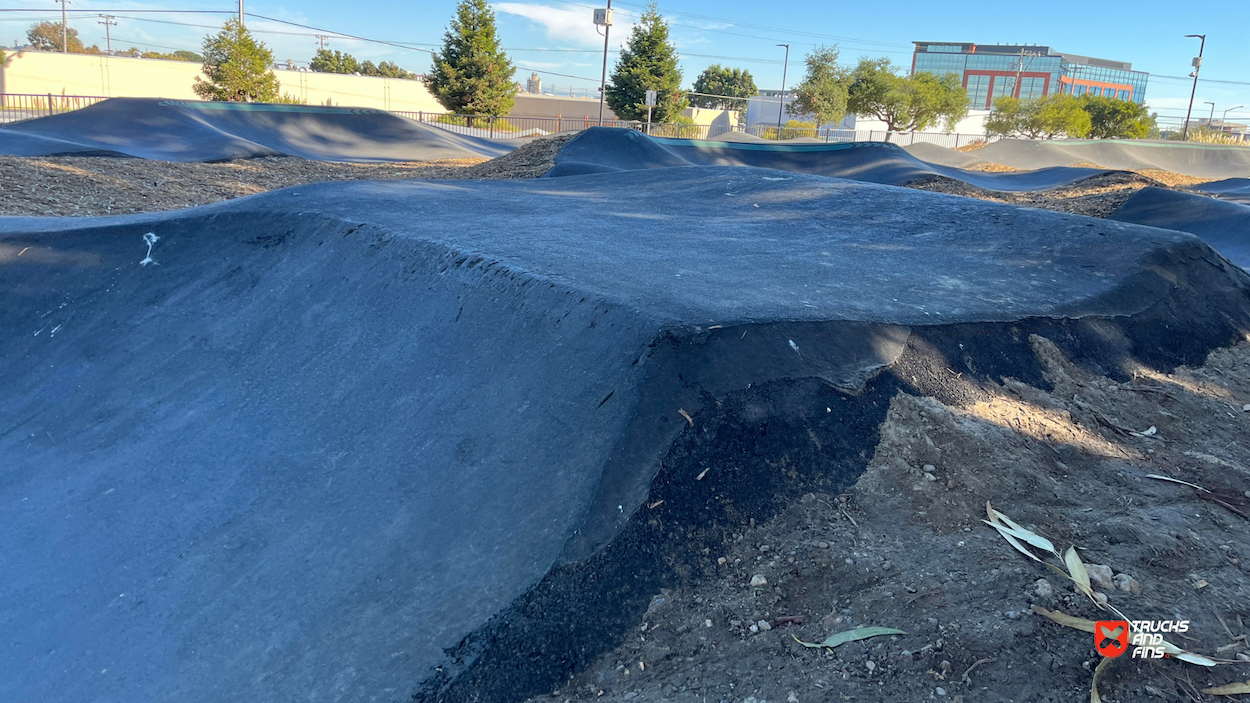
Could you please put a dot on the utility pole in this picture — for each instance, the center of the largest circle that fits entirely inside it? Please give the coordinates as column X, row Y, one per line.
column 64, row 29
column 321, row 41
column 241, row 22
column 1197, row 67
column 604, row 18
column 108, row 21
column 784, row 65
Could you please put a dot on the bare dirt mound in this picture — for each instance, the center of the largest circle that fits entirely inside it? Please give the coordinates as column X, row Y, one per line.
column 1098, row 196
column 93, row 185
column 905, row 548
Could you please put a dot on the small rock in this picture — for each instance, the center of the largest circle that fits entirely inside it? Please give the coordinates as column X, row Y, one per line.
column 764, row 625
column 792, row 697
column 929, row 468
column 940, row 691
column 1127, row 583
column 759, row 580
column 1043, row 589
column 754, row 629
column 1101, row 576
column 930, row 477
column 822, row 545
column 1012, row 615
column 1100, row 597
column 1201, row 583
column 872, row 665
column 1245, row 408
column 707, row 622
column 849, row 561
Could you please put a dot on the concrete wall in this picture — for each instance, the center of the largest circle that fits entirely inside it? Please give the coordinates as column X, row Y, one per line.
column 40, row 73
column 535, row 105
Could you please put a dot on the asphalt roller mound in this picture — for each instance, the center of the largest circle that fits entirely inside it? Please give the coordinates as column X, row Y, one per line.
column 366, row 440
column 189, row 131
column 605, row 149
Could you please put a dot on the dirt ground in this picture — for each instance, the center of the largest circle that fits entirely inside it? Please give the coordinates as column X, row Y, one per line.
column 906, row 548
column 1094, row 197
column 92, row 185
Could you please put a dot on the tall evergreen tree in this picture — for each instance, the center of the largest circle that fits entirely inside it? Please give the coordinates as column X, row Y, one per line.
column 472, row 75
column 649, row 62
column 333, row 61
column 238, row 68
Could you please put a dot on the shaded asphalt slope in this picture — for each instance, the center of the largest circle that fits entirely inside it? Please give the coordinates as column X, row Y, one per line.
column 366, row 440
column 601, row 149
column 176, row 130
column 1223, row 225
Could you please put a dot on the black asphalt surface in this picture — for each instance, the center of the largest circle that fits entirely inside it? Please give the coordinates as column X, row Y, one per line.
column 187, row 131
column 603, row 149
column 1223, row 225
column 301, row 445
column 1190, row 158
column 1236, row 190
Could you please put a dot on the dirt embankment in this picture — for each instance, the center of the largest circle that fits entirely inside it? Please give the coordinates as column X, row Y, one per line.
column 906, row 548
column 88, row 185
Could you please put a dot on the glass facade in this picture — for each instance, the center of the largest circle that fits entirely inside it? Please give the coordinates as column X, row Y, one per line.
column 991, row 71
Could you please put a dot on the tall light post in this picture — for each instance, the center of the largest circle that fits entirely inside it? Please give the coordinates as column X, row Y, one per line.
column 782, row 107
column 1224, row 117
column 1197, row 67
column 241, row 22
column 1211, row 117
column 604, row 18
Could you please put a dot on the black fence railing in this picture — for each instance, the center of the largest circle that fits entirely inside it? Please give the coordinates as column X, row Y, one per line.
column 510, row 127
column 15, row 107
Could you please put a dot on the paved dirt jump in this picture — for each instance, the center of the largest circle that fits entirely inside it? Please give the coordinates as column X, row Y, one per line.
column 369, row 440
column 176, row 130
column 1192, row 159
column 602, row 149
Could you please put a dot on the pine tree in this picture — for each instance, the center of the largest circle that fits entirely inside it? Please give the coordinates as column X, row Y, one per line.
column 472, row 75
column 238, row 68
column 648, row 63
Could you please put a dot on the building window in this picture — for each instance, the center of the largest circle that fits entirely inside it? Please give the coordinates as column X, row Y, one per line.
column 979, row 91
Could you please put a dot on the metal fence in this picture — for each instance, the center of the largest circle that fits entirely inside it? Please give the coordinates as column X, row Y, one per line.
column 510, row 127
column 15, row 107
column 521, row 127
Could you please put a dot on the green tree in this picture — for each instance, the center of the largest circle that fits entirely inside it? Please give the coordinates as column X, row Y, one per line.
column 736, row 84
column 823, row 90
column 905, row 103
column 183, row 55
column 1116, row 119
column 327, row 61
column 238, row 68
column 1043, row 117
column 472, row 74
column 649, row 62
column 46, row 36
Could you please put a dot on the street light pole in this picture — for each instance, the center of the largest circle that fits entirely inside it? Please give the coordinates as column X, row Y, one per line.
column 1224, row 117
column 1211, row 117
column 784, row 66
column 241, row 22
column 1197, row 67
column 603, row 79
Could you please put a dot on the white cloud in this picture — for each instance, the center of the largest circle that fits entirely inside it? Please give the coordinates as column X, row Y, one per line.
column 573, row 25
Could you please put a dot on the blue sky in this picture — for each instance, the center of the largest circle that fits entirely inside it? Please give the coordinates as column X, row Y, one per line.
column 558, row 37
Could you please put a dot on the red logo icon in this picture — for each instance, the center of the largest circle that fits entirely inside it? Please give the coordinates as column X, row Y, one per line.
column 1111, row 637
